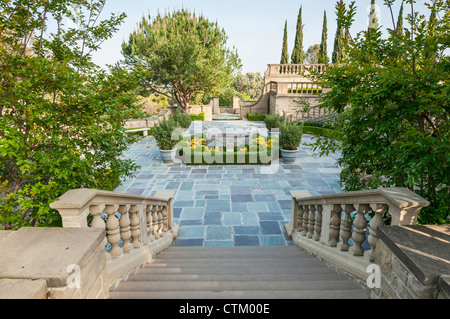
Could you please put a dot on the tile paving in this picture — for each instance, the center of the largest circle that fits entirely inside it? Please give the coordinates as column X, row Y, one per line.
column 231, row 205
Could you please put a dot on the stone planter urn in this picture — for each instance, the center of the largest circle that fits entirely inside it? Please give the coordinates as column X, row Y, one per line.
column 168, row 156
column 289, row 156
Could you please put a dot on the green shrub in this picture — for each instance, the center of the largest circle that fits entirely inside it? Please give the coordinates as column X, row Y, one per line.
column 290, row 136
column 274, row 121
column 162, row 132
column 256, row 117
column 321, row 131
column 198, row 117
column 183, row 119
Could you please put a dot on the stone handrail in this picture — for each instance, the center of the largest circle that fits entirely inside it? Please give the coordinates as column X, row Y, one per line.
column 325, row 225
column 137, row 227
column 294, row 69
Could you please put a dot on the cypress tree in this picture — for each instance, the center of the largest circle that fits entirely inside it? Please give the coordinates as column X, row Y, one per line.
column 399, row 28
column 298, row 56
column 341, row 38
column 323, row 55
column 284, row 52
column 373, row 19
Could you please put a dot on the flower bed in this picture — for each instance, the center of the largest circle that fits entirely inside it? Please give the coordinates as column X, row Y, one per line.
column 194, row 151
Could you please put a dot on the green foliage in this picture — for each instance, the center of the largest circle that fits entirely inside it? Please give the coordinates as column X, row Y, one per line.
column 274, row 121
column 184, row 54
column 198, row 117
column 249, row 85
column 182, row 120
column 312, row 54
column 163, row 134
column 61, row 117
column 298, row 55
column 393, row 100
column 290, row 136
column 284, row 49
column 256, row 117
column 342, row 37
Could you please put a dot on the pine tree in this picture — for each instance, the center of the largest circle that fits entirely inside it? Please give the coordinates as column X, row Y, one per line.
column 284, row 52
column 323, row 55
column 298, row 55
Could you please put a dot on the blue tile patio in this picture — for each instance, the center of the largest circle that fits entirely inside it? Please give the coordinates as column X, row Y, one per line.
column 231, row 205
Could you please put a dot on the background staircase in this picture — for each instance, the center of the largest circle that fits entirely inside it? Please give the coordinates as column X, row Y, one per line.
column 281, row 272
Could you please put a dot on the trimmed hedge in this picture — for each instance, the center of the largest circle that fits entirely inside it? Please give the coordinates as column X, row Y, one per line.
column 198, row 117
column 256, row 117
column 248, row 157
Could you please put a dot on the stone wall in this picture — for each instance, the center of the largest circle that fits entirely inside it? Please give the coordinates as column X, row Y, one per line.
column 414, row 262
column 164, row 114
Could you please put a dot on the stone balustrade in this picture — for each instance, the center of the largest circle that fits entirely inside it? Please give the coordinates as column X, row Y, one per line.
column 335, row 226
column 137, row 227
column 294, row 69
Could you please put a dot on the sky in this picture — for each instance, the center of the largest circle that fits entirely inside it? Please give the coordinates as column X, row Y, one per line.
column 254, row 27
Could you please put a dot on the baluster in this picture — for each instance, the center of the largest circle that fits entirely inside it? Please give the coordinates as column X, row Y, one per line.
column 300, row 218
column 311, row 218
column 359, row 229
column 335, row 223
column 376, row 221
column 97, row 221
column 155, row 222
column 305, row 220
column 346, row 226
column 135, row 226
column 160, row 221
column 125, row 232
column 318, row 223
column 165, row 219
column 148, row 211
column 112, row 231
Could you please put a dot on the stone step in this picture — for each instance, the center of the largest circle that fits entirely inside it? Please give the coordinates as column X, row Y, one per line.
column 242, row 294
column 218, row 286
column 284, row 272
column 302, row 275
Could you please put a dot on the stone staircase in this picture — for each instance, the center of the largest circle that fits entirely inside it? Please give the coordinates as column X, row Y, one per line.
column 281, row 272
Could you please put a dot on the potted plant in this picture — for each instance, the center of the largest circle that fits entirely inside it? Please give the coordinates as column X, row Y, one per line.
column 162, row 132
column 290, row 138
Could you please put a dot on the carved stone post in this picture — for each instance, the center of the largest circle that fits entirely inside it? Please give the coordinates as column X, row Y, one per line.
column 112, row 231
column 359, row 229
column 97, row 221
column 148, row 211
column 155, row 222
column 305, row 220
column 311, row 219
column 335, row 224
column 376, row 221
column 125, row 229
column 318, row 223
column 135, row 226
column 346, row 227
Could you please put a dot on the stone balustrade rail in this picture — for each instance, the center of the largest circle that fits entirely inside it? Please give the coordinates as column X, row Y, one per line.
column 137, row 227
column 334, row 226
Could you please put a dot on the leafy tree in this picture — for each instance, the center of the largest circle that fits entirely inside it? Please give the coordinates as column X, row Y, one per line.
column 61, row 117
column 184, row 54
column 392, row 100
column 323, row 54
column 312, row 54
column 399, row 27
column 298, row 55
column 250, row 84
column 284, row 50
